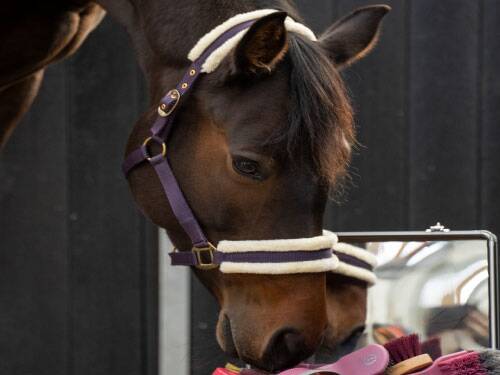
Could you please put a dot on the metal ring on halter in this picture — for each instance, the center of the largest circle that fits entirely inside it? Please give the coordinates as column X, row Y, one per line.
column 163, row 147
column 198, row 253
column 163, row 111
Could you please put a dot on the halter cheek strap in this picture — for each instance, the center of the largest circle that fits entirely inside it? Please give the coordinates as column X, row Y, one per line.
column 316, row 254
column 159, row 134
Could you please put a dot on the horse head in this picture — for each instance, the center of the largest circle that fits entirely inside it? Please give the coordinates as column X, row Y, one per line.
column 256, row 148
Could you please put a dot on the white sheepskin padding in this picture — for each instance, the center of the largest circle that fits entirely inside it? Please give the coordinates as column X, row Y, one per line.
column 356, row 252
column 356, row 273
column 298, row 28
column 285, row 245
column 212, row 35
column 214, row 60
column 312, row 266
column 296, row 244
column 328, row 240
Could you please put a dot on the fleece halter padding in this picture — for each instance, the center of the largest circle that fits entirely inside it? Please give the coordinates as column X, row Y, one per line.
column 291, row 255
column 216, row 57
column 355, row 262
column 286, row 256
column 345, row 259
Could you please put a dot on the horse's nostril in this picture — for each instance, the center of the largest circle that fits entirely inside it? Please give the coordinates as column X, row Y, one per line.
column 286, row 348
column 293, row 342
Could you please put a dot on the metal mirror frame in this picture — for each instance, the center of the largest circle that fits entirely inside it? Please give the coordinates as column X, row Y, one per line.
column 420, row 236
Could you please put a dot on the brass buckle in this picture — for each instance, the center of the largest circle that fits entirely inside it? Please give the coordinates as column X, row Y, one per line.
column 199, row 250
column 163, row 110
column 163, row 147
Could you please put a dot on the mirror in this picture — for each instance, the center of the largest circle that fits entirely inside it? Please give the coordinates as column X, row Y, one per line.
column 434, row 284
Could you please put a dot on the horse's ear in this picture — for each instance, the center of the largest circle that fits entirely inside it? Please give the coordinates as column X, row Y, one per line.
column 263, row 45
column 354, row 35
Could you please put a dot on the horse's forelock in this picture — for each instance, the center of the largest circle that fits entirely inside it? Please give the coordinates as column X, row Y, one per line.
column 320, row 130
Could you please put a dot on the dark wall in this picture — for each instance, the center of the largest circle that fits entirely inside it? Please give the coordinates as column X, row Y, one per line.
column 78, row 264
column 428, row 106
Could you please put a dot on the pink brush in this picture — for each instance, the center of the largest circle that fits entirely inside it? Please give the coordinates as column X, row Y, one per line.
column 371, row 360
column 461, row 363
column 224, row 371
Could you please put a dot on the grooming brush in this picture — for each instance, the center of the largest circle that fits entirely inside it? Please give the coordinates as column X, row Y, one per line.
column 432, row 347
column 466, row 362
column 383, row 333
column 224, row 371
column 461, row 363
column 490, row 361
column 370, row 360
column 406, row 356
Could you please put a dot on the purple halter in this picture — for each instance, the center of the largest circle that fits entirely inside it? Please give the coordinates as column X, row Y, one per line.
column 159, row 134
column 203, row 254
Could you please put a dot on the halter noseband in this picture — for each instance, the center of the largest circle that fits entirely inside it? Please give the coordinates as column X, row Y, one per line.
column 316, row 254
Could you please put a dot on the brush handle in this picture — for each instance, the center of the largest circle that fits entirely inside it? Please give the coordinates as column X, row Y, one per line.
column 371, row 360
column 411, row 365
column 434, row 369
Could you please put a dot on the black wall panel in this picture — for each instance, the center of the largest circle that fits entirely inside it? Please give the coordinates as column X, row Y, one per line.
column 34, row 262
column 377, row 85
column 78, row 275
column 443, row 110
column 107, row 237
column 488, row 147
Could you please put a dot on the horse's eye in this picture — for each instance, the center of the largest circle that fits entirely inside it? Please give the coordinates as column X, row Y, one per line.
column 247, row 167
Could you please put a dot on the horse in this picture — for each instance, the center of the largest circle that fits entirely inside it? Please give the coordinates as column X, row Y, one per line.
column 257, row 148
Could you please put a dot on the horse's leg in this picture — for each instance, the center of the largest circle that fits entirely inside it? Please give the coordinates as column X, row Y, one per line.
column 15, row 100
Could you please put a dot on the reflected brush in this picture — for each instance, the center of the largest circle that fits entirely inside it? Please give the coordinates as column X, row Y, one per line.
column 432, row 347
column 406, row 355
column 466, row 362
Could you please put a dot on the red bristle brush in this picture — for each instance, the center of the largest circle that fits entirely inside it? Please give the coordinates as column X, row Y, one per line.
column 406, row 355
column 461, row 363
column 406, row 358
column 432, row 347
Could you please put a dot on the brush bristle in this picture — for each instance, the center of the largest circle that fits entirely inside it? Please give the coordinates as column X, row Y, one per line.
column 490, row 360
column 403, row 348
column 432, row 347
column 467, row 364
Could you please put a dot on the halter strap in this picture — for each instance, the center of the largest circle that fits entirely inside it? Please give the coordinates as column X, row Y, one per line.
column 159, row 134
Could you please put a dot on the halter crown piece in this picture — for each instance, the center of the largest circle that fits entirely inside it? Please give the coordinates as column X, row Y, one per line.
column 283, row 256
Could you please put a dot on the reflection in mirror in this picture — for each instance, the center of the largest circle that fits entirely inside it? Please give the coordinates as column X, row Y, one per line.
column 433, row 288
